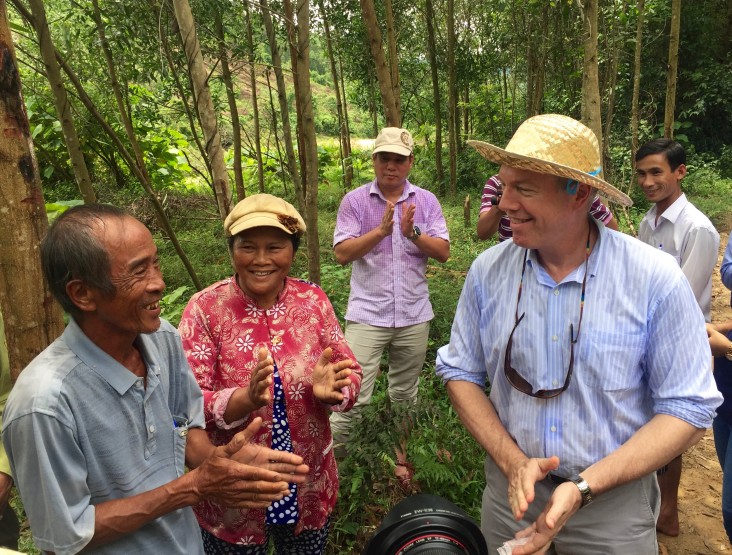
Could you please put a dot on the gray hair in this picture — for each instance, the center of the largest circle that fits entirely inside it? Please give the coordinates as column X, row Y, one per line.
column 72, row 250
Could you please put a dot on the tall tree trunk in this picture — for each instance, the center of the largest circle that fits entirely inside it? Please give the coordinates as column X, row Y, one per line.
column 383, row 75
column 61, row 101
column 204, row 103
column 346, row 162
column 32, row 319
column 612, row 73
column 347, row 128
column 591, row 115
column 140, row 173
column 302, row 90
column 466, row 110
column 136, row 164
column 231, row 99
column 429, row 16
column 190, row 116
column 273, row 112
column 284, row 110
column 255, row 107
column 635, row 116
column 451, row 95
column 391, row 41
column 672, row 69
column 294, row 59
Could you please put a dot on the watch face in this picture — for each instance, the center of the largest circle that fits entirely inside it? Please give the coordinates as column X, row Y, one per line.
column 417, row 231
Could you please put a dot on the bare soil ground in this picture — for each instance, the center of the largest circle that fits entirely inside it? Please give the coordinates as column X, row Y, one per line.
column 700, row 493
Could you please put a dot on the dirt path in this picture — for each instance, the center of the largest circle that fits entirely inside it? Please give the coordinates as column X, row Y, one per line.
column 700, row 494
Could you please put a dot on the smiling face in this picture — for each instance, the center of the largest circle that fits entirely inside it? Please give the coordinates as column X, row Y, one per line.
column 262, row 258
column 391, row 171
column 134, row 307
column 537, row 205
column 659, row 182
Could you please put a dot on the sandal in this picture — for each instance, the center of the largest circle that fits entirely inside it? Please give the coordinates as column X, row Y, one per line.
column 404, row 471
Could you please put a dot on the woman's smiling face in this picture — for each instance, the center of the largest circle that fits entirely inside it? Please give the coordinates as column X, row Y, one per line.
column 262, row 258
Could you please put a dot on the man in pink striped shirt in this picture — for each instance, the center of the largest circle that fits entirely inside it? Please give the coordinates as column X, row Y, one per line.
column 388, row 228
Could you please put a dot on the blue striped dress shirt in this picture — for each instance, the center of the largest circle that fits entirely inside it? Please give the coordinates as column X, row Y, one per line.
column 642, row 349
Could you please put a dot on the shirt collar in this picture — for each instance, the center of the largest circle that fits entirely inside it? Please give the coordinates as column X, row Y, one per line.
column 111, row 371
column 578, row 274
column 408, row 190
column 674, row 211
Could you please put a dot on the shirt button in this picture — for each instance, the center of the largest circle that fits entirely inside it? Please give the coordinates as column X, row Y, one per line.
column 556, row 292
column 555, row 383
column 152, row 429
column 554, row 338
column 553, row 428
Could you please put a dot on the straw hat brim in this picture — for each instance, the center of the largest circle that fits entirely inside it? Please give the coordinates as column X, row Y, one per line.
column 504, row 157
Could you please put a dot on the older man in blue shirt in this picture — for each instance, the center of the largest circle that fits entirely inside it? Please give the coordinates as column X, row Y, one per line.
column 99, row 426
column 595, row 350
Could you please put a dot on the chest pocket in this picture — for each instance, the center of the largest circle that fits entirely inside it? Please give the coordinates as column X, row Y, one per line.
column 610, row 361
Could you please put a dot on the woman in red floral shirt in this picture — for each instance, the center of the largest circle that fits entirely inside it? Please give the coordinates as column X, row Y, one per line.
column 264, row 344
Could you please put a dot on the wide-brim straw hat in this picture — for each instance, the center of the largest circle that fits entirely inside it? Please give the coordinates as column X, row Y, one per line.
column 555, row 145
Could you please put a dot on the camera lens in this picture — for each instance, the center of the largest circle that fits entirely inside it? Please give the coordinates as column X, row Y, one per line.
column 424, row 525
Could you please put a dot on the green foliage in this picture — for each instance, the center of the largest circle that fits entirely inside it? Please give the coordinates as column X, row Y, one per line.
column 174, row 303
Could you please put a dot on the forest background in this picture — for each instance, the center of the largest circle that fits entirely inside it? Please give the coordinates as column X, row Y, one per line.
column 178, row 109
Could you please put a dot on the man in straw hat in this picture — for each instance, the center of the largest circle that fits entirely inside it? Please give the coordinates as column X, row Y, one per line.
column 595, row 350
column 675, row 226
column 389, row 228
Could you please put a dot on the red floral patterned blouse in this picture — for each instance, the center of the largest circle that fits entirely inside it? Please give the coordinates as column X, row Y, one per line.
column 221, row 329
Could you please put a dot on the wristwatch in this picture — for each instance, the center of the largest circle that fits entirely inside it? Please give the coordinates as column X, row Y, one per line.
column 728, row 354
column 584, row 489
column 416, row 233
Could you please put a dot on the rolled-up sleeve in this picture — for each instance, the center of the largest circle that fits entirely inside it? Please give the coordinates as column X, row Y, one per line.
column 678, row 358
column 462, row 359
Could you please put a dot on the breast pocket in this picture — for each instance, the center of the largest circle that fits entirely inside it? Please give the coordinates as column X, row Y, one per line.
column 180, row 439
column 611, row 361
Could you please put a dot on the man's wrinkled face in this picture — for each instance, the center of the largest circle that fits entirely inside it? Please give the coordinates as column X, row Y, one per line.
column 134, row 307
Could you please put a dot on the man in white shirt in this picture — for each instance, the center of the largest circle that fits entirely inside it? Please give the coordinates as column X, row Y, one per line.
column 677, row 227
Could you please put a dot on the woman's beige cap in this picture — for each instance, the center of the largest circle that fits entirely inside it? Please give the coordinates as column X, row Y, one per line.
column 555, row 145
column 264, row 211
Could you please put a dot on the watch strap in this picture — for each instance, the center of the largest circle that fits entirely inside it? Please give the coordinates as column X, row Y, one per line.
column 584, row 489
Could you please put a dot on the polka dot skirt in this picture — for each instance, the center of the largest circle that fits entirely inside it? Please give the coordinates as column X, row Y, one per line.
column 285, row 510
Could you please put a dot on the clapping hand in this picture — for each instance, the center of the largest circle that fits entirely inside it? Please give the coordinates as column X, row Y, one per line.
column 387, row 220
column 243, row 474
column 330, row 377
column 259, row 392
column 407, row 220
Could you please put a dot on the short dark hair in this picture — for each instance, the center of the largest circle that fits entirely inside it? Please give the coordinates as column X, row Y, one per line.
column 72, row 250
column 674, row 152
column 294, row 239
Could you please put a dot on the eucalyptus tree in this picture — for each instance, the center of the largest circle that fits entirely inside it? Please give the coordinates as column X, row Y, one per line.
column 344, row 136
column 61, row 101
column 672, row 69
column 32, row 319
column 204, row 105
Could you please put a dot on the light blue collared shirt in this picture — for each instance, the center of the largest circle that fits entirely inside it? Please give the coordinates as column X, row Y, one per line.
column 81, row 429
column 642, row 349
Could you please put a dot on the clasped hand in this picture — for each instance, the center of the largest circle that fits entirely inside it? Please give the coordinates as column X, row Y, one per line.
column 243, row 474
column 563, row 503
